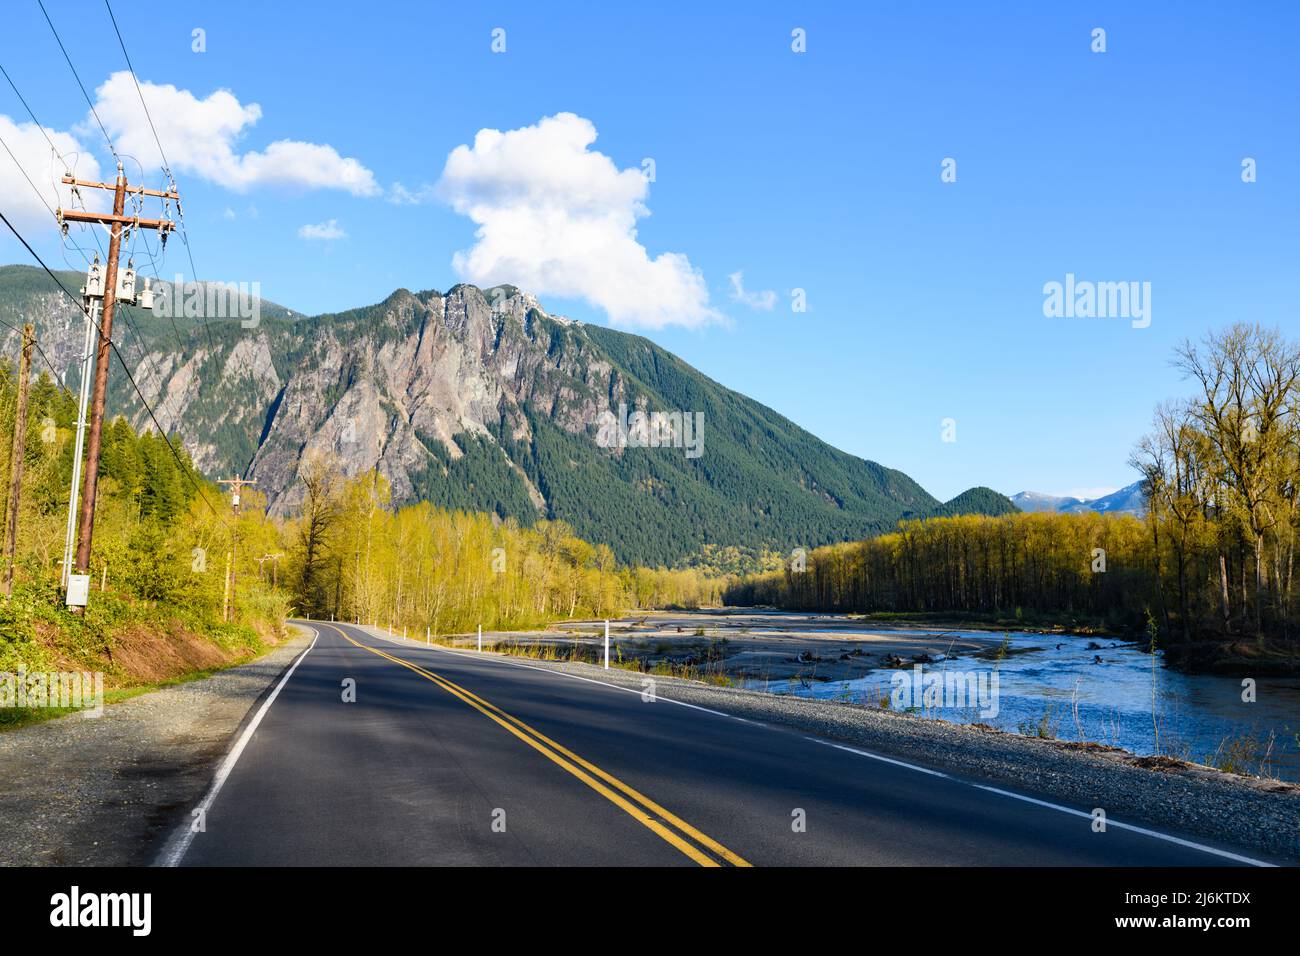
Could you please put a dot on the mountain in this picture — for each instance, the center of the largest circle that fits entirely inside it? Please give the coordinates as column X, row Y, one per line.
column 982, row 501
column 484, row 401
column 1037, row 501
column 1128, row 500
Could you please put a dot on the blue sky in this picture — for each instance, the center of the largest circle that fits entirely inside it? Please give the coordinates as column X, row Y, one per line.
column 818, row 171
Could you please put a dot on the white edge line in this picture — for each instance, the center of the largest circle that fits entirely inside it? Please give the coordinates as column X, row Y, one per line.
column 897, row 763
column 1127, row 826
column 180, row 842
column 501, row 659
column 1154, row 834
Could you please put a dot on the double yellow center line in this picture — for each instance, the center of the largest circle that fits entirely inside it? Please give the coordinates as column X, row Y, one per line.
column 701, row 848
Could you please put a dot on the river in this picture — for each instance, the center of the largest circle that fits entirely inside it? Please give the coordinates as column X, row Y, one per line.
column 1062, row 690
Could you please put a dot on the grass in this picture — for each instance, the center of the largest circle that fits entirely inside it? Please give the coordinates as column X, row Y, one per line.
column 1245, row 754
column 12, row 718
column 1045, row 728
column 31, row 622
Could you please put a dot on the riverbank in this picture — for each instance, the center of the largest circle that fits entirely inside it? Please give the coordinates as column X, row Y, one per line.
column 1107, row 692
column 1224, row 654
column 1234, row 656
column 724, row 645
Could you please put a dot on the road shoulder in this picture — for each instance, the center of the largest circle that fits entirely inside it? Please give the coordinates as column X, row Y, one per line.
column 106, row 791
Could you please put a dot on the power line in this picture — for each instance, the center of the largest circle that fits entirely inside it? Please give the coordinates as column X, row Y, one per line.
column 166, row 166
column 53, row 150
column 54, row 373
column 171, row 180
column 139, row 338
column 139, row 92
column 186, row 470
column 59, row 40
column 25, row 176
column 29, row 111
column 145, row 357
column 180, row 215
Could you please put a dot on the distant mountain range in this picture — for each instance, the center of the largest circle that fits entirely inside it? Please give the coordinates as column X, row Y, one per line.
column 1128, row 500
column 482, row 400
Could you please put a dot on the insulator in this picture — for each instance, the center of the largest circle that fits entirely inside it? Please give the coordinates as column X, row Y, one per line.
column 95, row 278
column 126, row 283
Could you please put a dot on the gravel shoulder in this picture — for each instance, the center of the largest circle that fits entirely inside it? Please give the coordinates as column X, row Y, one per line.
column 1223, row 809
column 105, row 791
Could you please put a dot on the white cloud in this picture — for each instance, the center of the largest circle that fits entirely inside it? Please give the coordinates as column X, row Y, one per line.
column 399, row 195
column 557, row 218
column 765, row 300
column 23, row 204
column 322, row 230
column 201, row 135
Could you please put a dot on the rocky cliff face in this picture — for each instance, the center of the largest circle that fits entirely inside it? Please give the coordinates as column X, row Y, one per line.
column 369, row 387
column 375, row 390
column 479, row 400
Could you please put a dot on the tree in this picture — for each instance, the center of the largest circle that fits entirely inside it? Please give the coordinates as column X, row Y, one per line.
column 316, row 527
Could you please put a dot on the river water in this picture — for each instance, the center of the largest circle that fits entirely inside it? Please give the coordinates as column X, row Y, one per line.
column 1062, row 689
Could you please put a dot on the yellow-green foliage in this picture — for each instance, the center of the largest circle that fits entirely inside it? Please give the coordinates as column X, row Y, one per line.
column 974, row 563
column 357, row 558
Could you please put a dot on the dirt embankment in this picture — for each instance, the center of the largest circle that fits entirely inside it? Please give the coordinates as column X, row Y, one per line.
column 144, row 653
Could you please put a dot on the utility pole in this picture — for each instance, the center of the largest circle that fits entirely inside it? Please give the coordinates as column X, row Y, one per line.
column 91, row 293
column 115, row 287
column 236, row 484
column 275, row 563
column 16, row 457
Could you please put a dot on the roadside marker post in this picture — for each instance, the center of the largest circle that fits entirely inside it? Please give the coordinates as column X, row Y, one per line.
column 426, row 634
column 480, row 638
column 606, row 645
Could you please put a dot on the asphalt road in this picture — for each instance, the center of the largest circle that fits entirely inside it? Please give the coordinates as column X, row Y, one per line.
column 452, row 758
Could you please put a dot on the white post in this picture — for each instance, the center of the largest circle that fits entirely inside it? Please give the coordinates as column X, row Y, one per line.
column 606, row 645
column 426, row 633
column 403, row 632
column 83, row 398
column 480, row 638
